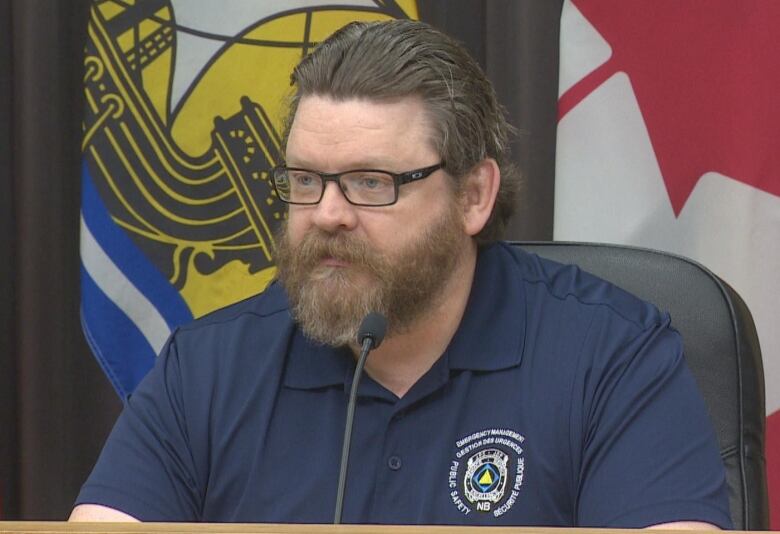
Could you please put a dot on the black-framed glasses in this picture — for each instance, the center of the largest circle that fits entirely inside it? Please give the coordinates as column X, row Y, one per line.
column 361, row 187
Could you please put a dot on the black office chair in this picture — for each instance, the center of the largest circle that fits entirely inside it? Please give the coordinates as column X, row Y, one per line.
column 721, row 348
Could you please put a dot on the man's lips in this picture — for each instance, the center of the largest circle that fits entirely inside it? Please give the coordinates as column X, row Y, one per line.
column 333, row 262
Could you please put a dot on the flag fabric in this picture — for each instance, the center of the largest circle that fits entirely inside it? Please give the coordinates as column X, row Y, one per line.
column 184, row 105
column 669, row 138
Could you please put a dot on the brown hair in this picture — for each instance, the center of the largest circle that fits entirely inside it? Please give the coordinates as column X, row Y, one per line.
column 398, row 58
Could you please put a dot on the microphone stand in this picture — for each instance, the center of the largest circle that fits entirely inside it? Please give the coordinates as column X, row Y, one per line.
column 368, row 344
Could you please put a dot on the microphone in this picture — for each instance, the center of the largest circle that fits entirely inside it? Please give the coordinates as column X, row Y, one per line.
column 370, row 335
column 373, row 327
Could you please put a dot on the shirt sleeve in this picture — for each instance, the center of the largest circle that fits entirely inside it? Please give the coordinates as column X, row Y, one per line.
column 649, row 452
column 146, row 468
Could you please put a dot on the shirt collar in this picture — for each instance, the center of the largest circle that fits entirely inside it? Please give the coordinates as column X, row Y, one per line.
column 489, row 338
column 492, row 332
column 311, row 365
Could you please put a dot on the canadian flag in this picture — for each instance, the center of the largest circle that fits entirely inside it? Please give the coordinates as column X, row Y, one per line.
column 669, row 138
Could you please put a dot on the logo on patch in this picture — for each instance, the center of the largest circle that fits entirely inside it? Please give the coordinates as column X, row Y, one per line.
column 485, row 480
column 487, row 472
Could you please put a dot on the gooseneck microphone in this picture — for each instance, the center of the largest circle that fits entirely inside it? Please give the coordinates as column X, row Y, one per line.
column 370, row 335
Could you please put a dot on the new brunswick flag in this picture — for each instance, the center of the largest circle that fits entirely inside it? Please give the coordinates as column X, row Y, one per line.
column 184, row 102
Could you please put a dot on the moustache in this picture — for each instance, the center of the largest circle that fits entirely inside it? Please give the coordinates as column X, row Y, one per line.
column 317, row 246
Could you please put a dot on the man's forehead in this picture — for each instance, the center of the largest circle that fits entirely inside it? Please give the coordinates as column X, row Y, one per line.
column 372, row 133
column 370, row 113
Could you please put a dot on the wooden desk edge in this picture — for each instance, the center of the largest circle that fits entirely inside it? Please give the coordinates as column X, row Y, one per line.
column 56, row 527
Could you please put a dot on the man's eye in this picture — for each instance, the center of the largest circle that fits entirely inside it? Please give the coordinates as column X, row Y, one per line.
column 304, row 180
column 370, row 182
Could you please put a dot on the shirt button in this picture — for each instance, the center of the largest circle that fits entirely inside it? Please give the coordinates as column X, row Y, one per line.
column 394, row 463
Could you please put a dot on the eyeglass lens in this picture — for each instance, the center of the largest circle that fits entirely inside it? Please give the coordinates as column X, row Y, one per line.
column 369, row 188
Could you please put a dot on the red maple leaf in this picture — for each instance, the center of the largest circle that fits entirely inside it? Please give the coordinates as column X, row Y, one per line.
column 706, row 74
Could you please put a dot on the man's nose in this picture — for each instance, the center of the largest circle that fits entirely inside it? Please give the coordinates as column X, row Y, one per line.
column 334, row 211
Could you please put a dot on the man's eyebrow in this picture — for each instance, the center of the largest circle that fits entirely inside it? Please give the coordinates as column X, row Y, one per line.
column 377, row 164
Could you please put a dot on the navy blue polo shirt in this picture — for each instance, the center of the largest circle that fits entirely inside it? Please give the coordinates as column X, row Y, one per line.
column 561, row 401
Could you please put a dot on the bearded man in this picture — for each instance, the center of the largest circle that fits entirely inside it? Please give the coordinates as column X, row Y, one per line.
column 509, row 390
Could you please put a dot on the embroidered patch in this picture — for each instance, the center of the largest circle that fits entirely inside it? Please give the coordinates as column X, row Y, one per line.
column 487, row 472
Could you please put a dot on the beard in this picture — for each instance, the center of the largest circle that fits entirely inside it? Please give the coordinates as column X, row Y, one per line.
column 329, row 303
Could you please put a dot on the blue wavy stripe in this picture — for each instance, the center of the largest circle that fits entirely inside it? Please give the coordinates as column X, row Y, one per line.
column 130, row 260
column 119, row 346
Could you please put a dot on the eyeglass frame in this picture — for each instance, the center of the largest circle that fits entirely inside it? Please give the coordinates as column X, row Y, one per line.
column 399, row 179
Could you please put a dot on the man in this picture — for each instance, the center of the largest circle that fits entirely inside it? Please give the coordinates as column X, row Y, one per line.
column 509, row 390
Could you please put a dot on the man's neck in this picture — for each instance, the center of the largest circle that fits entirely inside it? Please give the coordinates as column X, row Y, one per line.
column 403, row 358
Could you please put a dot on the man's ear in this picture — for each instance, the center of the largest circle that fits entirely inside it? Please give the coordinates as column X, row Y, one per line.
column 478, row 195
